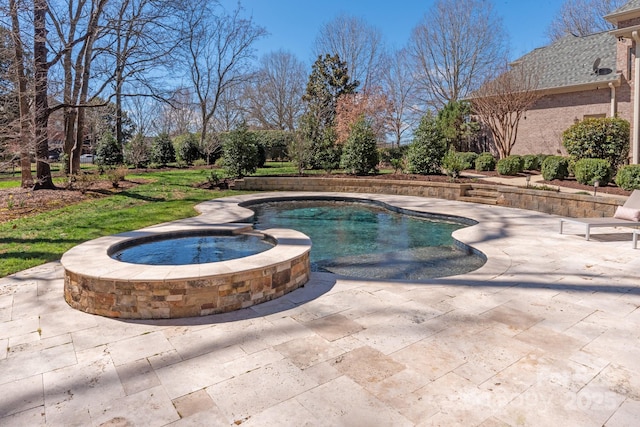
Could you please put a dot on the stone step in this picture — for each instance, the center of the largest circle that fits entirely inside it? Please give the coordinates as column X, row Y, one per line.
column 482, row 200
column 477, row 192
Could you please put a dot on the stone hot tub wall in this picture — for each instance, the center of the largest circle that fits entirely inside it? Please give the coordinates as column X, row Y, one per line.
column 98, row 284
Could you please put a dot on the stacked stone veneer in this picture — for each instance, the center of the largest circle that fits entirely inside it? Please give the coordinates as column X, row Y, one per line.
column 552, row 202
column 140, row 292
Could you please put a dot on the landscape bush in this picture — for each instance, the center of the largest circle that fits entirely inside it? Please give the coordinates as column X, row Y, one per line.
column 453, row 163
column 360, row 152
column 162, row 151
column 485, row 162
column 468, row 159
column 428, row 148
column 187, row 148
column 531, row 162
column 555, row 167
column 240, row 155
column 628, row 177
column 599, row 138
column 588, row 171
column 108, row 152
column 510, row 165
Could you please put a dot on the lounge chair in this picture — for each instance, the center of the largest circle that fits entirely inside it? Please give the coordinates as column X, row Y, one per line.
column 627, row 215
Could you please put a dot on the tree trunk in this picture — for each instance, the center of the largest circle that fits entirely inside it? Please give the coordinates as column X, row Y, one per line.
column 41, row 117
column 26, row 177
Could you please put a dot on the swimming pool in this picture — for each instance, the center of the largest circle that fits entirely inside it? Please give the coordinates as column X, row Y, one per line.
column 366, row 241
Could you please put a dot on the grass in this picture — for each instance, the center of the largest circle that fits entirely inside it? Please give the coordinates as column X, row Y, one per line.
column 35, row 240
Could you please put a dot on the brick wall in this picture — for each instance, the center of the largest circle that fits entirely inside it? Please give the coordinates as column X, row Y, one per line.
column 540, row 130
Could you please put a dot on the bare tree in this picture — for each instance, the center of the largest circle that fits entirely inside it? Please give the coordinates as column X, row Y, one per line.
column 217, row 49
column 357, row 43
column 582, row 17
column 23, row 97
column 501, row 102
column 399, row 88
column 351, row 108
column 275, row 96
column 456, row 45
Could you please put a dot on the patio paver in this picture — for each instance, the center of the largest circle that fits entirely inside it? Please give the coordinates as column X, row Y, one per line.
column 546, row 333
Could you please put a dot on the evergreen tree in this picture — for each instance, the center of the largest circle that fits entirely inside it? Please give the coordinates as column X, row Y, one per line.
column 240, row 154
column 428, row 148
column 188, row 149
column 162, row 151
column 360, row 155
column 108, row 152
column 328, row 80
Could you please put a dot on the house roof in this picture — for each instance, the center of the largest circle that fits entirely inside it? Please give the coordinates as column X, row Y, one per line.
column 569, row 62
column 630, row 5
column 628, row 10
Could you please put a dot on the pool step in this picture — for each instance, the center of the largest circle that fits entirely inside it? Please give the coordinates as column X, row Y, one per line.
column 487, row 196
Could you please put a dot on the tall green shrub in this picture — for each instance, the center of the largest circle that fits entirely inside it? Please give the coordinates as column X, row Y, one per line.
column 427, row 149
column 599, row 138
column 453, row 163
column 588, row 171
column 485, row 162
column 555, row 167
column 188, row 149
column 360, row 153
column 628, row 177
column 531, row 162
column 108, row 152
column 162, row 151
column 510, row 165
column 240, row 155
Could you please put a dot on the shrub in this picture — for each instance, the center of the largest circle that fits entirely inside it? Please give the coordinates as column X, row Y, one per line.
column 360, row 153
column 137, row 152
column 555, row 167
column 108, row 152
column 468, row 158
column 327, row 153
column 188, row 148
column 531, row 162
column 628, row 177
column 199, row 162
column 116, row 175
column 600, row 138
column 162, row 151
column 395, row 157
column 428, row 148
column 240, row 152
column 541, row 159
column 588, row 171
column 510, row 165
column 485, row 162
column 453, row 163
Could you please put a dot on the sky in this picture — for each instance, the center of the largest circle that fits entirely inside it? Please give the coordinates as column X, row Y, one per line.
column 294, row 24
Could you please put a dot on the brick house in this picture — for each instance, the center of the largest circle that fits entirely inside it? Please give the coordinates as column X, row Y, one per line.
column 581, row 77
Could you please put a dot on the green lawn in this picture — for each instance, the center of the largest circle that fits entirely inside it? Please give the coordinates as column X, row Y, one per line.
column 35, row 240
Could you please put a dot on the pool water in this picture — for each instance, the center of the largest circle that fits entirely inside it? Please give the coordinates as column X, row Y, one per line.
column 193, row 250
column 366, row 241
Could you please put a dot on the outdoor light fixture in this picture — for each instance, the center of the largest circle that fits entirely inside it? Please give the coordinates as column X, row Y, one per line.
column 527, row 177
column 596, row 184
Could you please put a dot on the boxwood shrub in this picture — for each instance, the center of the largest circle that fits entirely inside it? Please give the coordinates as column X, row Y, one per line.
column 588, row 171
column 511, row 165
column 531, row 162
column 555, row 167
column 628, row 177
column 468, row 159
column 485, row 162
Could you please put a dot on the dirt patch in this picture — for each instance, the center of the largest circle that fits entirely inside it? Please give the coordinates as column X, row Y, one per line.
column 22, row 202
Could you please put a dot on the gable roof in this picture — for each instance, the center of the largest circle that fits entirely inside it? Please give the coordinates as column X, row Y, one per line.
column 567, row 64
column 626, row 11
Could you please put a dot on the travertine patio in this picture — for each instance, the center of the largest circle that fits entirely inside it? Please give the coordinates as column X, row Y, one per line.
column 546, row 333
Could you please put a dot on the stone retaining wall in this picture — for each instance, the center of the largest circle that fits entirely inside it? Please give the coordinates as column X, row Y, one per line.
column 552, row 202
